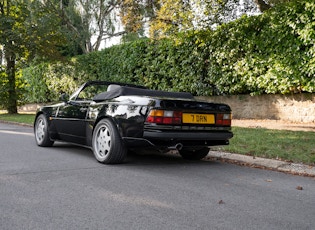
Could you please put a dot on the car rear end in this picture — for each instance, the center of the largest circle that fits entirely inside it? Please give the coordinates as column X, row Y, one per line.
column 188, row 124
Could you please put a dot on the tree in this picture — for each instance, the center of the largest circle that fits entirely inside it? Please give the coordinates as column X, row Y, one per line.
column 172, row 17
column 27, row 30
column 168, row 17
column 136, row 14
column 87, row 22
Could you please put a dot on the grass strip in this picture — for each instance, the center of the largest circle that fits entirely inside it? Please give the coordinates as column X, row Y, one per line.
column 295, row 146
column 19, row 118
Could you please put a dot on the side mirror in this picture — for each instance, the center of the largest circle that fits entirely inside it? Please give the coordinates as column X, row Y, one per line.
column 64, row 97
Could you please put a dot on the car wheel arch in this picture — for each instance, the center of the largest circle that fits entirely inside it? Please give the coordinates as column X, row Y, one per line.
column 40, row 113
column 49, row 120
column 119, row 128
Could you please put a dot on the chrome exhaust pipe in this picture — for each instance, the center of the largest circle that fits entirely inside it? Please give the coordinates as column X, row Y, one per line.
column 178, row 146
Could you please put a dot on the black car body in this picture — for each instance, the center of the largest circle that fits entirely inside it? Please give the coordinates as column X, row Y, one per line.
column 112, row 118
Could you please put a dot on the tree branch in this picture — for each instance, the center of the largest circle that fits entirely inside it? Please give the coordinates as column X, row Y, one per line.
column 262, row 5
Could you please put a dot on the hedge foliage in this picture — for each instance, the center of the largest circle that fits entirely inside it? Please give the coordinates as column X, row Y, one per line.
column 269, row 53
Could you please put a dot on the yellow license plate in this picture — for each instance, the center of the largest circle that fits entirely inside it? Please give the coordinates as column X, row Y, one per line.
column 193, row 118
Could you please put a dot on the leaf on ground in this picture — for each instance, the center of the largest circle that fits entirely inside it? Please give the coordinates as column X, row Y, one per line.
column 299, row 188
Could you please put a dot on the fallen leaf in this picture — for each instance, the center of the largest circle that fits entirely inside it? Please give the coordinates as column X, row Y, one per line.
column 299, row 188
column 221, row 202
column 268, row 180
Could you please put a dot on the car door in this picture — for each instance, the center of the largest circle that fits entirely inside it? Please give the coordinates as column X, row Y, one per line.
column 71, row 118
column 71, row 121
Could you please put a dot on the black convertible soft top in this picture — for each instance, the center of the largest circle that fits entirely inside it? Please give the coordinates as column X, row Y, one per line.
column 132, row 91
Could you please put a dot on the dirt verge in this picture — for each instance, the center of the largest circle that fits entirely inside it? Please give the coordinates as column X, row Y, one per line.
column 274, row 124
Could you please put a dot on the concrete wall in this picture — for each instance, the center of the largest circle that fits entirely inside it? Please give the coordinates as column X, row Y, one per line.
column 292, row 108
column 29, row 108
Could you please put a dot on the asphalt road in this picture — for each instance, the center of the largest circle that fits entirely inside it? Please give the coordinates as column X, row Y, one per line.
column 63, row 187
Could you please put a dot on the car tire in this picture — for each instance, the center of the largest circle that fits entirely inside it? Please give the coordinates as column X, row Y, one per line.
column 107, row 145
column 41, row 131
column 194, row 154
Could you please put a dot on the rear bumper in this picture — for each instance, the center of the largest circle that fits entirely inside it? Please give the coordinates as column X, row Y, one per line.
column 193, row 136
column 187, row 139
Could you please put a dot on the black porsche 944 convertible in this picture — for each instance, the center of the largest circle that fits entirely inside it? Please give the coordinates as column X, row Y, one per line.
column 112, row 118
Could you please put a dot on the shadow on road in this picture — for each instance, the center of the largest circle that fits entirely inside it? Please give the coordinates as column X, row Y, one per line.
column 132, row 159
column 73, row 150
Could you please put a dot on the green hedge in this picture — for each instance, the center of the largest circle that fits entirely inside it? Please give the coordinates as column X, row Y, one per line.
column 46, row 81
column 270, row 53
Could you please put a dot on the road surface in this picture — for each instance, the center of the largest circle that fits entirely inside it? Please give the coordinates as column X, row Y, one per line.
column 64, row 187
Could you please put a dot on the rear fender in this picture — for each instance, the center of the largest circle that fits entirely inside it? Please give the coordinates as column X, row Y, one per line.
column 91, row 128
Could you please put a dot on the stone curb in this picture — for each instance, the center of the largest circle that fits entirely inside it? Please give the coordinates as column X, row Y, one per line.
column 15, row 123
column 258, row 162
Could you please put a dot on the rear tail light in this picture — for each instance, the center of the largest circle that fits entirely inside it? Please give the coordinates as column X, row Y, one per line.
column 223, row 119
column 167, row 117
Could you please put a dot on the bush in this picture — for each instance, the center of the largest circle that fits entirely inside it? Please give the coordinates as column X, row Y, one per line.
column 46, row 81
column 270, row 53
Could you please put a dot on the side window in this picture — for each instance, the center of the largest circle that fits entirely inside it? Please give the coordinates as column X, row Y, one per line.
column 89, row 92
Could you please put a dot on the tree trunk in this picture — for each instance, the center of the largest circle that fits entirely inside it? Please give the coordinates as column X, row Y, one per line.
column 11, row 104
